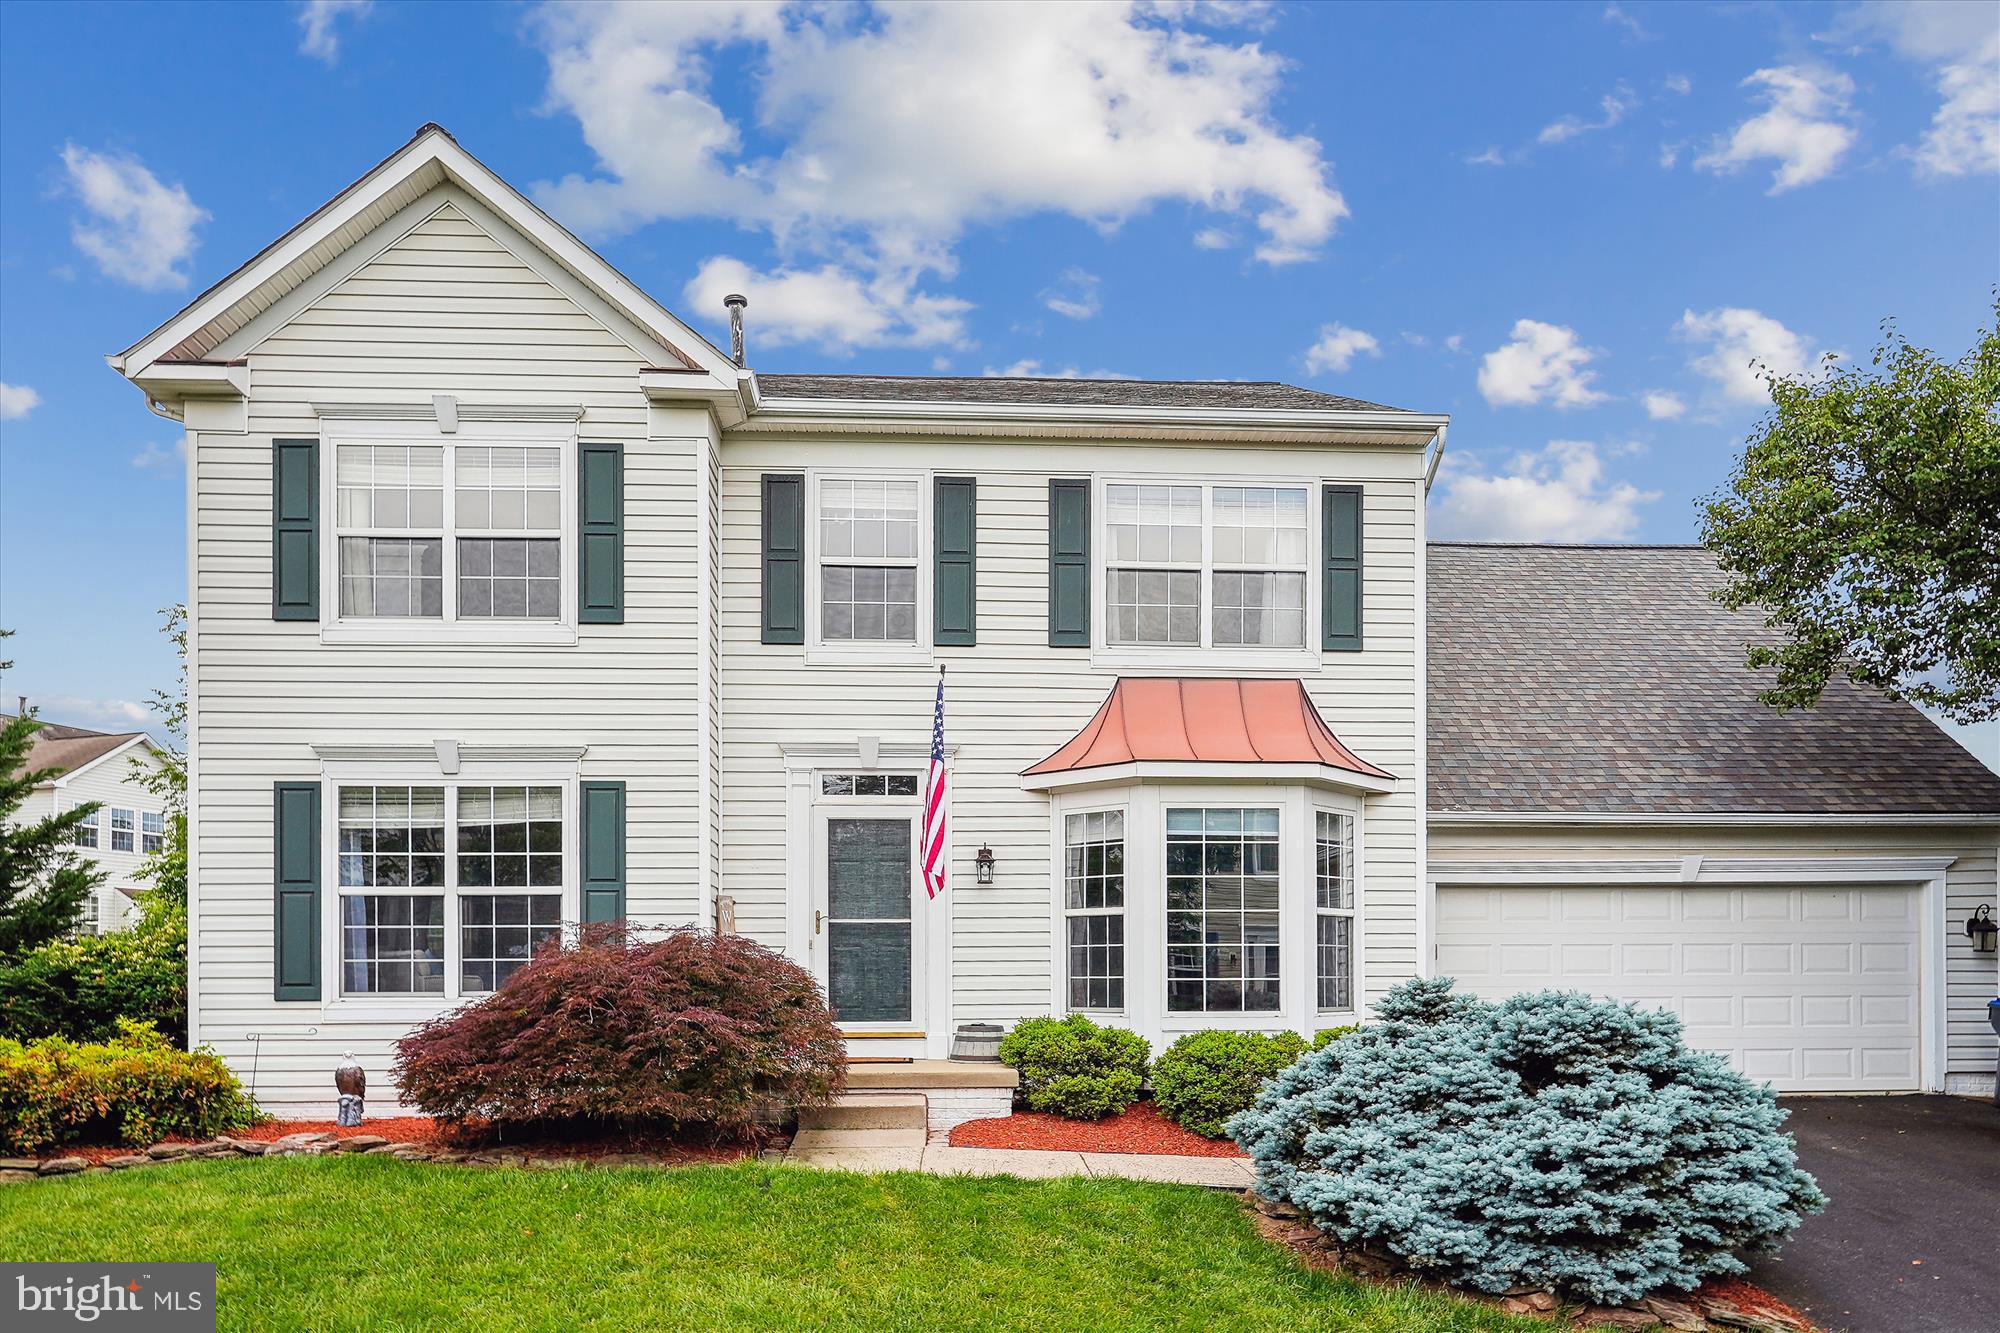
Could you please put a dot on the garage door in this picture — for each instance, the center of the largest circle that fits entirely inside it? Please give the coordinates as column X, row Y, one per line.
column 1814, row 990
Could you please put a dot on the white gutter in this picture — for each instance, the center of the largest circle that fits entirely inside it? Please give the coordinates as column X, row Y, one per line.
column 1437, row 456
column 1557, row 819
column 786, row 412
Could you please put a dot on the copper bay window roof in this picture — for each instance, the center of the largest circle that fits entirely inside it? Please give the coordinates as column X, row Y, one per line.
column 1157, row 726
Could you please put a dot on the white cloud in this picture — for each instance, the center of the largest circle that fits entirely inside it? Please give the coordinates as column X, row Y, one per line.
column 138, row 230
column 1736, row 338
column 1455, row 343
column 1213, row 238
column 171, row 458
column 96, row 714
column 1543, row 362
column 1492, row 157
column 319, row 35
column 1803, row 127
column 1611, row 109
column 1961, row 43
column 1670, row 153
column 1032, row 369
column 1556, row 493
column 834, row 307
column 1098, row 112
column 1634, row 29
column 1662, row 405
column 1073, row 295
column 16, row 401
column 1678, row 84
column 1414, row 339
column 1337, row 347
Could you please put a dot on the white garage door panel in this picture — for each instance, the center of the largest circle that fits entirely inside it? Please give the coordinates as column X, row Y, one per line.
column 1812, row 989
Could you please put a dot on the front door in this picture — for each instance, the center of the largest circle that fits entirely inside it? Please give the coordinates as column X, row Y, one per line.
column 865, row 922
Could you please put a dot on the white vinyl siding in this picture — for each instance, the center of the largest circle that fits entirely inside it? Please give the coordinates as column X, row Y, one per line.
column 444, row 308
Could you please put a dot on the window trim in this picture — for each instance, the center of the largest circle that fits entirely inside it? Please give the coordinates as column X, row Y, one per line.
column 1205, row 653
column 389, row 1006
column 1065, row 913
column 448, row 628
column 870, row 652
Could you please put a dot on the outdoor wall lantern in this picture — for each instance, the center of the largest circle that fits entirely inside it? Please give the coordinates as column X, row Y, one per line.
column 1980, row 926
column 982, row 863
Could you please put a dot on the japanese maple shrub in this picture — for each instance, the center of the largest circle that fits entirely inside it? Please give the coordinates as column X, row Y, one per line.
column 1072, row 1067
column 692, row 1030
column 1206, row 1077
column 1550, row 1140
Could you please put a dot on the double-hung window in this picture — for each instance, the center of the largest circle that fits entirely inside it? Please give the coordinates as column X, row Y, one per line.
column 1094, row 908
column 122, row 826
column 152, row 831
column 1333, row 838
column 870, row 542
column 446, row 891
column 1196, row 565
column 1222, row 910
column 468, row 531
column 85, row 832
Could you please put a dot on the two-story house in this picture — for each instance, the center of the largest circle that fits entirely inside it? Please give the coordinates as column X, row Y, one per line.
column 131, row 824
column 514, row 603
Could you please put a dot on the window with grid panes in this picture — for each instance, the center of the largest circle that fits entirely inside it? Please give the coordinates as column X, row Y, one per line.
column 868, row 547
column 1196, row 565
column 1222, row 910
column 1334, row 908
column 1094, row 908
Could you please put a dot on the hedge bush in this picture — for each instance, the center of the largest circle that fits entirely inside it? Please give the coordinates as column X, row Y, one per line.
column 1072, row 1067
column 1551, row 1140
column 693, row 1030
column 134, row 1089
column 1206, row 1077
column 80, row 988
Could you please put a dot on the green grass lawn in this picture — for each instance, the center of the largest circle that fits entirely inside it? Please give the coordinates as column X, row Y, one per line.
column 350, row 1242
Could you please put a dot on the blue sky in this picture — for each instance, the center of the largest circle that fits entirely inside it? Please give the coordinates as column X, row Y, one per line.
column 1570, row 226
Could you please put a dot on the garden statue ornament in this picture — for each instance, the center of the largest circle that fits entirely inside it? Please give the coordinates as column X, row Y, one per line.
column 352, row 1082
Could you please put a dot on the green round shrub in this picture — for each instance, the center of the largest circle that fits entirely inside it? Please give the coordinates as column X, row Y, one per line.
column 1551, row 1140
column 1206, row 1077
column 1072, row 1067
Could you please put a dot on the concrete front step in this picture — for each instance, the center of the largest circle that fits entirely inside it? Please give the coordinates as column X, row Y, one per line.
column 868, row 1110
column 809, row 1142
column 923, row 1075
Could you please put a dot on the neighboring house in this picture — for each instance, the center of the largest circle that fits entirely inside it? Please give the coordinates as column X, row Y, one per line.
column 132, row 825
column 514, row 603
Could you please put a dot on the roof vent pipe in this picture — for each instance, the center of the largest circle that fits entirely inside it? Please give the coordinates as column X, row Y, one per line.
column 736, row 302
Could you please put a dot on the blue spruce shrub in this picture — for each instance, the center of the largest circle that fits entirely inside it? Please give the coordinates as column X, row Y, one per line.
column 1551, row 1140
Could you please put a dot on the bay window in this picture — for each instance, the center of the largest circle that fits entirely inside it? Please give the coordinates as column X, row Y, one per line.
column 1198, row 565
column 1333, row 909
column 1094, row 908
column 1222, row 910
column 446, row 890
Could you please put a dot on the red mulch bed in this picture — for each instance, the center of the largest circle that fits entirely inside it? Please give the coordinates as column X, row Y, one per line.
column 428, row 1133
column 1751, row 1299
column 1140, row 1129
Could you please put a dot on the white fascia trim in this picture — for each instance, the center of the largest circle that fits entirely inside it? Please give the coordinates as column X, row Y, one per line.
column 1505, row 818
column 62, row 779
column 472, row 175
column 426, row 411
column 1708, row 870
column 366, row 762
column 803, row 413
column 195, row 379
column 1316, row 775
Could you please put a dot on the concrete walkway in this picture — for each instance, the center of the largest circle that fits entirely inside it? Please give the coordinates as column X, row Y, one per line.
column 909, row 1150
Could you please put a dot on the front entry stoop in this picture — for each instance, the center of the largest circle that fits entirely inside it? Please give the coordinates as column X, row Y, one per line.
column 865, row 1110
column 954, row 1091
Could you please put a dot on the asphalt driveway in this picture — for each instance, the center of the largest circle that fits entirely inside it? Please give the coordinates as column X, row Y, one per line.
column 1907, row 1244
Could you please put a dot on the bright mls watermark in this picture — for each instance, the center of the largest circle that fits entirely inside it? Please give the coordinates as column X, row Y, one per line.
column 159, row 1298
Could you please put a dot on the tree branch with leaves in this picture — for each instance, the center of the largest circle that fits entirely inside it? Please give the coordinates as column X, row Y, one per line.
column 1863, row 520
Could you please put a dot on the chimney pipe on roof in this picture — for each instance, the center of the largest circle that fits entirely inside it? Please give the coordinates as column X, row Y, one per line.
column 24, row 705
column 736, row 302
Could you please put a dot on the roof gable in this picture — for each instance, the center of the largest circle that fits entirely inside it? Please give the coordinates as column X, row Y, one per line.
column 430, row 160
column 70, row 750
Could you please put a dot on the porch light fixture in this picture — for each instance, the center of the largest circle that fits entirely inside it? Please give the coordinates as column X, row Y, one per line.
column 982, row 863
column 1980, row 926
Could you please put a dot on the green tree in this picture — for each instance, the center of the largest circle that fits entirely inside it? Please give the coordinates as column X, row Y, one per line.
column 43, row 883
column 168, row 867
column 1864, row 521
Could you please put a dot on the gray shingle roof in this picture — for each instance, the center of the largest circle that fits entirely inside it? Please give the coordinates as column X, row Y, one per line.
column 1067, row 392
column 1603, row 679
column 65, row 749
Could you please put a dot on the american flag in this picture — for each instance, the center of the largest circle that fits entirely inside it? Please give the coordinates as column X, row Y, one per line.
column 937, row 800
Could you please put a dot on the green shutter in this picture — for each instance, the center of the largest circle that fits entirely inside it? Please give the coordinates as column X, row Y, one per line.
column 1340, row 572
column 296, row 915
column 295, row 529
column 1069, row 563
column 600, row 551
column 603, row 851
column 955, row 562
column 784, row 558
